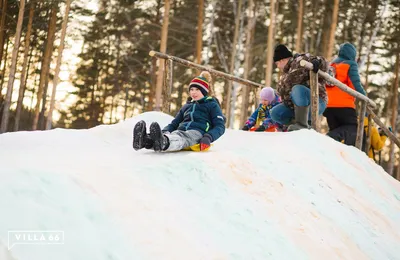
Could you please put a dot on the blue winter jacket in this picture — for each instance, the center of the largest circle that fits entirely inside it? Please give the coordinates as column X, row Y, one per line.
column 347, row 54
column 204, row 115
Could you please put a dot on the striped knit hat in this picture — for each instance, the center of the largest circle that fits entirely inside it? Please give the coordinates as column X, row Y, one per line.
column 202, row 82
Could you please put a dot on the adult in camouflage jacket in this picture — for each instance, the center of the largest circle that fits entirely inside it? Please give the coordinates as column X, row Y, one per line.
column 294, row 88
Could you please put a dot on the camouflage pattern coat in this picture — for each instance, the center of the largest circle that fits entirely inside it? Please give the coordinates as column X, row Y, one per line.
column 294, row 74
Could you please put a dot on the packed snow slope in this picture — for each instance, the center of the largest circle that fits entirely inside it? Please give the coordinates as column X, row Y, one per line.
column 297, row 195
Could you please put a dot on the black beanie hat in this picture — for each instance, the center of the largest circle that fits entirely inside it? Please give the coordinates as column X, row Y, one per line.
column 281, row 52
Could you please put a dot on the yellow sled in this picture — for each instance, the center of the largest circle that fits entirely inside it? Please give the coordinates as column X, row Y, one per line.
column 195, row 148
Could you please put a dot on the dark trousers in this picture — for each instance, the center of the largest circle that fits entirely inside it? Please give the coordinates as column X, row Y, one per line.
column 342, row 123
column 340, row 116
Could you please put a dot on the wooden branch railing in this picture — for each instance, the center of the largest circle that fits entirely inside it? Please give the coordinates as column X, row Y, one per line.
column 200, row 67
column 360, row 128
column 339, row 84
column 167, row 89
column 369, row 132
column 314, row 100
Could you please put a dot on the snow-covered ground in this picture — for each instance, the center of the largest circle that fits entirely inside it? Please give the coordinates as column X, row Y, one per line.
column 297, row 195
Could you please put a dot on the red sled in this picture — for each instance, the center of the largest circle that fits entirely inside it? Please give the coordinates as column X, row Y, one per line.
column 270, row 129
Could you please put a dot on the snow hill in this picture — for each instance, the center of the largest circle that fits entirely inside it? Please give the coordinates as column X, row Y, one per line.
column 297, row 195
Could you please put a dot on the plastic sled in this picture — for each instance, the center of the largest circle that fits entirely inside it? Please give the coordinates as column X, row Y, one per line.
column 196, row 148
column 271, row 129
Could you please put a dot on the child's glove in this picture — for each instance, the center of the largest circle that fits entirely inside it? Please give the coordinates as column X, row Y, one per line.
column 260, row 129
column 245, row 128
column 205, row 142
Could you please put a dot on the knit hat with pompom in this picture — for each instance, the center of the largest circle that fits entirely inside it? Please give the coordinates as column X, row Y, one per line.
column 202, row 82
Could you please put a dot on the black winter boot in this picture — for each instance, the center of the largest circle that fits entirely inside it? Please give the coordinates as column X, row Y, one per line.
column 301, row 118
column 160, row 141
column 139, row 133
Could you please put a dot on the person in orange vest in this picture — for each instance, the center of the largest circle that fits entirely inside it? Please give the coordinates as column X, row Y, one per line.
column 340, row 112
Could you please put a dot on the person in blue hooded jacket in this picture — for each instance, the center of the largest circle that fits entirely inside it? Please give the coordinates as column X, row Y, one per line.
column 340, row 113
column 199, row 121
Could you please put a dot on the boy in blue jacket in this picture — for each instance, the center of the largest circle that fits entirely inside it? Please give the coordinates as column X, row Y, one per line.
column 199, row 121
column 261, row 119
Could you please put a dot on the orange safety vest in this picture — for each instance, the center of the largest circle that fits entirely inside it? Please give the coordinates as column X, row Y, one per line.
column 336, row 96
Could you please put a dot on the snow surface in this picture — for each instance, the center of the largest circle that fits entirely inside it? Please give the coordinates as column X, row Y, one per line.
column 297, row 195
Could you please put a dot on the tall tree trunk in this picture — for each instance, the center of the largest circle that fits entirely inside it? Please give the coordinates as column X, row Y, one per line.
column 394, row 113
column 103, row 105
column 153, row 75
column 153, row 83
column 252, row 91
column 232, row 63
column 30, row 62
column 234, row 95
column 41, row 123
column 363, row 12
column 210, row 29
column 94, row 86
column 313, row 23
column 3, row 72
column 247, row 61
column 179, row 99
column 7, row 101
column 331, row 41
column 44, row 73
column 111, row 109
column 388, row 101
column 361, row 39
column 199, row 41
column 270, row 44
column 299, row 26
column 372, row 39
column 366, row 85
column 116, row 87
column 126, row 102
column 3, row 28
column 163, row 49
column 326, row 27
column 58, row 64
column 35, row 80
column 24, row 68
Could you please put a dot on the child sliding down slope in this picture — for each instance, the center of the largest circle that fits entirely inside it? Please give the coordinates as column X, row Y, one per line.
column 199, row 121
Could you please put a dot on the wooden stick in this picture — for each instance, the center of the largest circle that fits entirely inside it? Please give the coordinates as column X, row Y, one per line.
column 360, row 128
column 314, row 100
column 170, row 76
column 368, row 141
column 200, row 67
column 339, row 84
column 167, row 86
